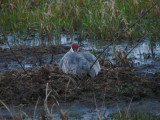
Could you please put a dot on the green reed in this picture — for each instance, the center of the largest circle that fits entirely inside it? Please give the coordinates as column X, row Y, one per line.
column 99, row 18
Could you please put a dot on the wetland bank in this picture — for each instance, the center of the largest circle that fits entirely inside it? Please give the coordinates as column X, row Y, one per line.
column 138, row 79
column 40, row 32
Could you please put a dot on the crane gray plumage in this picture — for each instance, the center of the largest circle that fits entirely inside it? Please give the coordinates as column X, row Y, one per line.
column 79, row 63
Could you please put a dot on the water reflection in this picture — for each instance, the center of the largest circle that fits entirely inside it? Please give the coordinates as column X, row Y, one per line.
column 146, row 53
column 37, row 40
column 81, row 111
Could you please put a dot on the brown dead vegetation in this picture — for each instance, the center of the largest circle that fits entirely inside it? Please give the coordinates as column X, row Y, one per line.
column 119, row 83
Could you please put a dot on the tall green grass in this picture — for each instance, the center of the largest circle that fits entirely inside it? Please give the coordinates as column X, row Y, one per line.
column 99, row 18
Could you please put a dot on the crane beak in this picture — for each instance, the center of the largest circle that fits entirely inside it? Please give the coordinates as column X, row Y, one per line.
column 75, row 50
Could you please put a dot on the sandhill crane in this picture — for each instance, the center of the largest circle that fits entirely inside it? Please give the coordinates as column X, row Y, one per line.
column 79, row 62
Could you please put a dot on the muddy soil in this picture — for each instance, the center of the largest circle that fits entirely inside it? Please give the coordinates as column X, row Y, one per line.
column 119, row 83
column 112, row 83
column 33, row 56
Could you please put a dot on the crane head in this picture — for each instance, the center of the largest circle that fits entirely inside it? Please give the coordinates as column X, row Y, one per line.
column 75, row 47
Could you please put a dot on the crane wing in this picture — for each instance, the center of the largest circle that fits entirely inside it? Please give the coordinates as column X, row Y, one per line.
column 79, row 63
column 74, row 63
column 91, row 59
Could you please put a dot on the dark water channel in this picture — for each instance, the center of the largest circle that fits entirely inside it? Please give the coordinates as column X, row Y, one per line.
column 146, row 58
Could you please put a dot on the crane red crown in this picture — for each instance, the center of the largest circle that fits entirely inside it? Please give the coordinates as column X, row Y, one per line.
column 75, row 46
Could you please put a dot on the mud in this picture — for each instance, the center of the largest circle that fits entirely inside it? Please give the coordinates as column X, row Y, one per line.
column 116, row 82
column 29, row 56
column 112, row 84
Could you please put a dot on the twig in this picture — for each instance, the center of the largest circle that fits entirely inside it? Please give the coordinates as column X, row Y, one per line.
column 45, row 102
column 7, row 108
column 35, row 109
column 26, row 116
column 96, row 106
column 103, row 105
column 119, row 112
column 135, row 45
column 66, row 89
column 128, row 108
column 62, row 114
column 142, row 15
column 14, row 53
column 124, row 32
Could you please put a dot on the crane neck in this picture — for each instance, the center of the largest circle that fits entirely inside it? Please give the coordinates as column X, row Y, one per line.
column 71, row 50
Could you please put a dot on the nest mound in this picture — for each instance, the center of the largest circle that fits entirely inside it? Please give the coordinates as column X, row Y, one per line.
column 116, row 84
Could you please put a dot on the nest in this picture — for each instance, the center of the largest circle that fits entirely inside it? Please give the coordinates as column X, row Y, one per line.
column 111, row 83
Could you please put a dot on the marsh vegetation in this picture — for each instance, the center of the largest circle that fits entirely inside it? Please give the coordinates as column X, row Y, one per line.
column 35, row 30
column 92, row 18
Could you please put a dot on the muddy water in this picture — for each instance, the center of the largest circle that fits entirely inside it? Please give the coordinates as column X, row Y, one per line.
column 146, row 57
column 83, row 111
